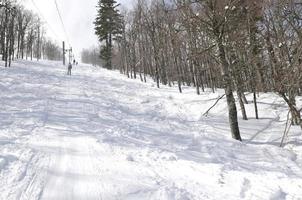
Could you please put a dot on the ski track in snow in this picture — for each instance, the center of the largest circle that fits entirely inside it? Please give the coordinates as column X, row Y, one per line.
column 99, row 135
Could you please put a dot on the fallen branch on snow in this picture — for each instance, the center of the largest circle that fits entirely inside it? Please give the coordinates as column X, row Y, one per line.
column 287, row 128
column 206, row 113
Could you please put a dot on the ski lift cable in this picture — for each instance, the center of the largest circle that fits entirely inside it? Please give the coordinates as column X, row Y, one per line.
column 44, row 19
column 63, row 25
column 62, row 22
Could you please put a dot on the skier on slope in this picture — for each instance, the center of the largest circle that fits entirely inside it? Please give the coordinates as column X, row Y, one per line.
column 69, row 69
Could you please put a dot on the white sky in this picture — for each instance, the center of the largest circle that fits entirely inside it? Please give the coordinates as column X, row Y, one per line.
column 78, row 17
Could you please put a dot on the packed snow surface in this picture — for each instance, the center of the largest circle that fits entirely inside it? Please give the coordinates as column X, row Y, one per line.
column 99, row 135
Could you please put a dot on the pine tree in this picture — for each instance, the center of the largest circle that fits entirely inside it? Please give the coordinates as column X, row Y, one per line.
column 108, row 26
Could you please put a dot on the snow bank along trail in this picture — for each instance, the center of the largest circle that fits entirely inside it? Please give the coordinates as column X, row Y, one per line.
column 98, row 135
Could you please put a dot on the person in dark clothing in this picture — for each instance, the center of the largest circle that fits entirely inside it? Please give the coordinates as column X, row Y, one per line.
column 74, row 62
column 69, row 69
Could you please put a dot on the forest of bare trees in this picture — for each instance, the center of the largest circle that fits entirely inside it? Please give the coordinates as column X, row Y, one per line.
column 22, row 35
column 242, row 46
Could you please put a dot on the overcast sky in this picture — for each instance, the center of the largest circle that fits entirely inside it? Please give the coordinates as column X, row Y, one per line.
column 78, row 17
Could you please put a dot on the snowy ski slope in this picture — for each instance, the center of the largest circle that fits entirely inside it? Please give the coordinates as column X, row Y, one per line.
column 99, row 135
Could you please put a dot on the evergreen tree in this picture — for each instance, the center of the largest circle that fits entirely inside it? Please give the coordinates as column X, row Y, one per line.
column 108, row 26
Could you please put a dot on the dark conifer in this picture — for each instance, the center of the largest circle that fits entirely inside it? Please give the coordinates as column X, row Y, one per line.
column 108, row 27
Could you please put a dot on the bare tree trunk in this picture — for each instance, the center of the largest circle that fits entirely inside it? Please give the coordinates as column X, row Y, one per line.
column 244, row 99
column 255, row 105
column 242, row 107
column 196, row 80
column 233, row 119
column 296, row 115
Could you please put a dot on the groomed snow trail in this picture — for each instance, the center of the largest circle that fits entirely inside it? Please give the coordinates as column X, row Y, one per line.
column 98, row 135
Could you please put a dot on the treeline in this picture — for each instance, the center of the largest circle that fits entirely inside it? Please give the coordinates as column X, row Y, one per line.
column 22, row 35
column 92, row 56
column 50, row 50
column 238, row 45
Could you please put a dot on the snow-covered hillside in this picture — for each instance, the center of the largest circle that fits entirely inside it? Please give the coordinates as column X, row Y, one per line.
column 99, row 135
